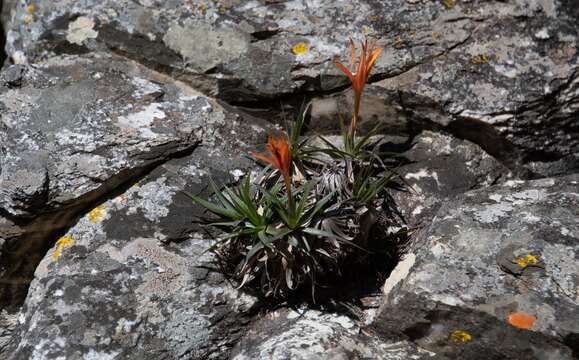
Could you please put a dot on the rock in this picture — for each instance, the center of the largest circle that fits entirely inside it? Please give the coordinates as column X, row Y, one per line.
column 506, row 88
column 122, row 270
column 486, row 255
column 502, row 75
column 438, row 167
column 82, row 127
column 311, row 334
column 245, row 51
column 13, row 75
column 108, row 291
column 8, row 322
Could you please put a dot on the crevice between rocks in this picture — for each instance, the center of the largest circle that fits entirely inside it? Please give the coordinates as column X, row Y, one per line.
column 3, row 55
column 22, row 254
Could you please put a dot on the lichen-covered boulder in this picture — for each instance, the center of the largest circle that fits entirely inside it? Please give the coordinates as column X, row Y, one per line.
column 503, row 75
column 122, row 271
column 109, row 289
column 512, row 86
column 310, row 334
column 76, row 129
column 488, row 258
column 243, row 50
column 438, row 167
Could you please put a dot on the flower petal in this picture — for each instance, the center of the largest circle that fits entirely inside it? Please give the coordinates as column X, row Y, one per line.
column 345, row 70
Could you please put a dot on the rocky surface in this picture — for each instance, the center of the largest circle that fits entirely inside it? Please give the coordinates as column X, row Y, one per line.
column 438, row 167
column 310, row 334
column 503, row 75
column 119, row 150
column 114, row 107
column 486, row 255
column 76, row 129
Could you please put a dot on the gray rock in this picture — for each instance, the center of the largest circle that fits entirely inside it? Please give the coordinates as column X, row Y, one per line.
column 126, row 274
column 81, row 128
column 438, row 167
column 488, row 254
column 13, row 75
column 310, row 334
column 503, row 75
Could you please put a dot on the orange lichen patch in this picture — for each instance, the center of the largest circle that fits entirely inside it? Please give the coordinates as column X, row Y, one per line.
column 522, row 320
column 449, row 4
column 96, row 214
column 525, row 261
column 300, row 49
column 30, row 8
column 460, row 337
column 61, row 244
column 480, row 59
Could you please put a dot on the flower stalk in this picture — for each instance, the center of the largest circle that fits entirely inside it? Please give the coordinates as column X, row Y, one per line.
column 280, row 157
column 368, row 56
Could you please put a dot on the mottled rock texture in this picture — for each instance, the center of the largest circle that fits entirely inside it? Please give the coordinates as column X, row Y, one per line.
column 486, row 255
column 436, row 167
column 501, row 74
column 310, row 334
column 76, row 129
column 97, row 152
column 114, row 107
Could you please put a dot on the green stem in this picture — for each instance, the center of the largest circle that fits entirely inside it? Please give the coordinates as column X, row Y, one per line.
column 291, row 204
column 354, row 123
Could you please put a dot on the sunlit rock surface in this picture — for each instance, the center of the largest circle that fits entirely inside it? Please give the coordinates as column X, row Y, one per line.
column 115, row 108
column 486, row 255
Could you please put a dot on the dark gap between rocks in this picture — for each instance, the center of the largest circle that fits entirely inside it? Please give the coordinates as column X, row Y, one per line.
column 3, row 55
column 22, row 255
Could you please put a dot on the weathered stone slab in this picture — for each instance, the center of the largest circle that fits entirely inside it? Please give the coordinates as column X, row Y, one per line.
column 107, row 286
column 488, row 254
column 311, row 334
column 77, row 129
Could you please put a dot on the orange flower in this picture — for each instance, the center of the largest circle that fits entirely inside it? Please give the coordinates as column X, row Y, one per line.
column 280, row 154
column 280, row 158
column 522, row 320
column 368, row 57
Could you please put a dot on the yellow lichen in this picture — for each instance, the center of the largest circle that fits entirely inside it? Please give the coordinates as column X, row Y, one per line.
column 30, row 8
column 460, row 337
column 525, row 261
column 436, row 34
column 480, row 59
column 96, row 214
column 300, row 49
column 412, row 35
column 449, row 4
column 123, row 199
column 202, row 8
column 61, row 244
column 398, row 41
